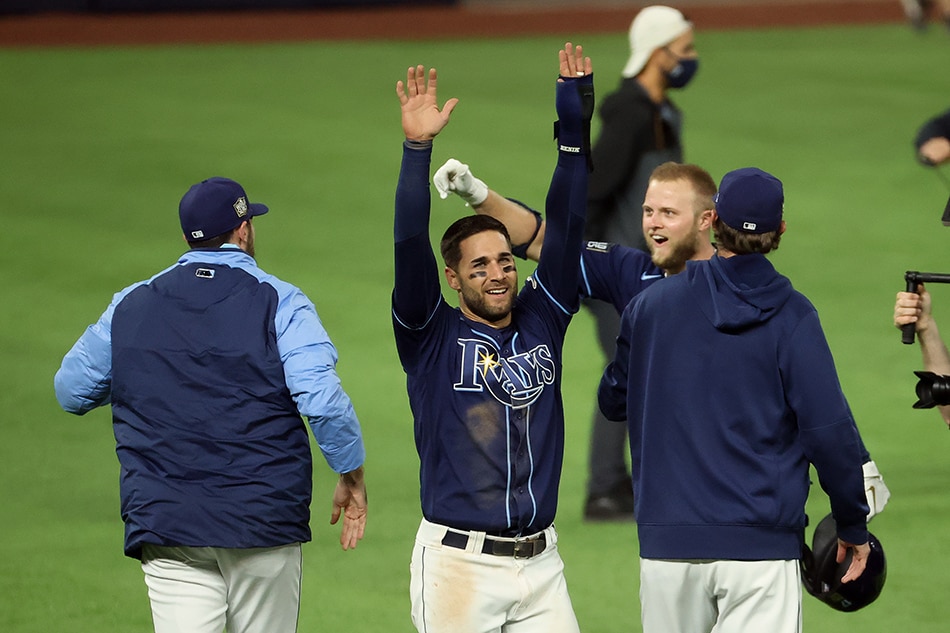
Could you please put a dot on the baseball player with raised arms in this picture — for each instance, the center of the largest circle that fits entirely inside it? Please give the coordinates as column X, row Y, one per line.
column 677, row 221
column 484, row 381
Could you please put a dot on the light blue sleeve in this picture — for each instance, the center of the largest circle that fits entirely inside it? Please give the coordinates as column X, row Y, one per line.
column 84, row 380
column 309, row 359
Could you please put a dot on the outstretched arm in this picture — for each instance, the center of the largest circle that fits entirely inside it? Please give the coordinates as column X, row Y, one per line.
column 417, row 287
column 525, row 227
column 566, row 203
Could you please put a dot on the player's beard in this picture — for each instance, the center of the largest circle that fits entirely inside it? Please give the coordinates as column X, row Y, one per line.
column 476, row 303
column 674, row 259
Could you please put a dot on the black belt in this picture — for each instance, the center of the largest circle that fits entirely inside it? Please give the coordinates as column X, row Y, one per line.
column 519, row 548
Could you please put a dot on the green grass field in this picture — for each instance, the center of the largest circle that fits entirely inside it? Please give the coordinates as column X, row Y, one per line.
column 98, row 145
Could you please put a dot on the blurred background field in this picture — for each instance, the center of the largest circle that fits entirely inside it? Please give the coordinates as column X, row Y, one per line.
column 99, row 144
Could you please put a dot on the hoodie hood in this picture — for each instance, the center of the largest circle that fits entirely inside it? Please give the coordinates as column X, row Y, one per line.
column 738, row 292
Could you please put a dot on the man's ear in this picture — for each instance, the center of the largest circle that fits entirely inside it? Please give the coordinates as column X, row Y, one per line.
column 706, row 219
column 452, row 277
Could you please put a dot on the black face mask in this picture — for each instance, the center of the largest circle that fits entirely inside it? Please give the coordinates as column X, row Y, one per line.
column 682, row 73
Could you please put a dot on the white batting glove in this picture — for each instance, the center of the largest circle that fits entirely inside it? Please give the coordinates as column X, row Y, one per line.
column 455, row 177
column 876, row 490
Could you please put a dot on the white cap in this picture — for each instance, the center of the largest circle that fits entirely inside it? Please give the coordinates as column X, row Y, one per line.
column 653, row 28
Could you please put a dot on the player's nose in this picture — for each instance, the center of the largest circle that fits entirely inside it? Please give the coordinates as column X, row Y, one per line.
column 496, row 271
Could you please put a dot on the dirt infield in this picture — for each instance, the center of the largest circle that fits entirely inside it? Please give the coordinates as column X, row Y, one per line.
column 472, row 20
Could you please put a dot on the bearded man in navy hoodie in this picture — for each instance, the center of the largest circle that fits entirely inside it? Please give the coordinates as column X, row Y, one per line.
column 729, row 390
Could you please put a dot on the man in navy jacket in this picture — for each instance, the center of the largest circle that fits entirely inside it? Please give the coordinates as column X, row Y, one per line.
column 208, row 367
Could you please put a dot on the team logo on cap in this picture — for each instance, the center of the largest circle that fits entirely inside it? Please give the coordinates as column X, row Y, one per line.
column 240, row 207
column 748, row 226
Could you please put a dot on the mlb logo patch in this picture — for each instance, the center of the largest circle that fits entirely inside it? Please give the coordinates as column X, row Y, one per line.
column 240, row 207
column 749, row 226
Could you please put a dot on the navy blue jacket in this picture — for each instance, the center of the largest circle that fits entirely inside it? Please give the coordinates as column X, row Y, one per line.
column 208, row 367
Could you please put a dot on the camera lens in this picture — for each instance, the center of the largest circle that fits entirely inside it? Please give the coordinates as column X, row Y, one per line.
column 932, row 390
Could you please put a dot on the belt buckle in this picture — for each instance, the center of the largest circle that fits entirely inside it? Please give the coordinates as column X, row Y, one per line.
column 523, row 549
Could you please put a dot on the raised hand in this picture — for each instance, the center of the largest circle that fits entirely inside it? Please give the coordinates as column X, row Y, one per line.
column 574, row 101
column 422, row 120
column 573, row 62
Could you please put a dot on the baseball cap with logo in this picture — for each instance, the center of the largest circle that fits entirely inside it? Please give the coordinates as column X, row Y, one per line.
column 653, row 28
column 750, row 200
column 213, row 207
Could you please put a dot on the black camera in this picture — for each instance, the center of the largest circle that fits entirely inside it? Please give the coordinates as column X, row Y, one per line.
column 932, row 390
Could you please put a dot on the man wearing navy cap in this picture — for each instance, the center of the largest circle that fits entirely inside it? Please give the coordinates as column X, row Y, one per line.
column 208, row 367
column 729, row 390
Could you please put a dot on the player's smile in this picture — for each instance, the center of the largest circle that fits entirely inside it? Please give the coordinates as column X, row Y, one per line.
column 498, row 293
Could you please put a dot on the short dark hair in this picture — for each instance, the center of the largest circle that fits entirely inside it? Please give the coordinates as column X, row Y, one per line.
column 743, row 243
column 463, row 228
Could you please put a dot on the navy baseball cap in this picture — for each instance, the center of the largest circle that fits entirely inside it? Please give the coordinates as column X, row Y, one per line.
column 750, row 200
column 214, row 207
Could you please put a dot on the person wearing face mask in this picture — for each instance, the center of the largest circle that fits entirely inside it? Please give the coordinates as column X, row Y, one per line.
column 640, row 130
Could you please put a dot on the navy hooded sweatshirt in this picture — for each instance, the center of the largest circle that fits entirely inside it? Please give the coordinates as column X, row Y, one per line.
column 730, row 391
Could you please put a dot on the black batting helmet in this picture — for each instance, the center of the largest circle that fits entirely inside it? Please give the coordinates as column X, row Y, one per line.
column 821, row 575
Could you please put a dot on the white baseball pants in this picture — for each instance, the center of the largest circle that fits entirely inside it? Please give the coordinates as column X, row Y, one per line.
column 720, row 596
column 208, row 589
column 456, row 590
